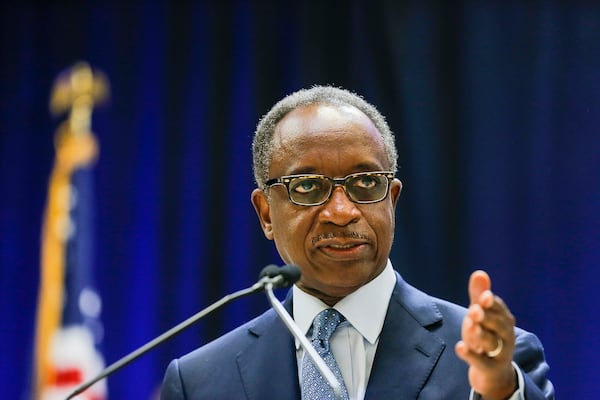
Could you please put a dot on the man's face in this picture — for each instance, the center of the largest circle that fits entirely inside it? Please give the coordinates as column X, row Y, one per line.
column 339, row 245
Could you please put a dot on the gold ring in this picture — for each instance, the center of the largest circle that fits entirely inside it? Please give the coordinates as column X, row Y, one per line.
column 497, row 350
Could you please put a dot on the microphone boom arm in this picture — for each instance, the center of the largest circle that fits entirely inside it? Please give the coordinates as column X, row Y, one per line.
column 257, row 287
column 270, row 277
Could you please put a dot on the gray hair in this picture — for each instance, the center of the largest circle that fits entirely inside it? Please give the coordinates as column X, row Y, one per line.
column 262, row 144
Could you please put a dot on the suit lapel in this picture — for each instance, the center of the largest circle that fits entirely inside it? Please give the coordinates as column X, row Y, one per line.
column 268, row 366
column 407, row 352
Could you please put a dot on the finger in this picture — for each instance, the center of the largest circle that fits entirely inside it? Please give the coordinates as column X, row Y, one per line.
column 473, row 358
column 478, row 339
column 489, row 300
column 479, row 282
column 493, row 314
column 486, row 299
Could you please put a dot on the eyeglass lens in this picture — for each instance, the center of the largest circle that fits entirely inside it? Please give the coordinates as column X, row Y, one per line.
column 360, row 188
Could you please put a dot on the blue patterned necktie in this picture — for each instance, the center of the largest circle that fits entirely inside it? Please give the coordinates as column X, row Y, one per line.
column 314, row 386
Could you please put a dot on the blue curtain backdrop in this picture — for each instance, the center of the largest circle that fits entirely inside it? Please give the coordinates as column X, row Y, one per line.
column 496, row 107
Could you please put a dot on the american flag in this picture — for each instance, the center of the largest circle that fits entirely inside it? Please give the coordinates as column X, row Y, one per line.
column 69, row 329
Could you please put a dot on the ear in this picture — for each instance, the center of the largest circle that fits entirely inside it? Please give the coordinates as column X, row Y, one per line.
column 263, row 211
column 395, row 190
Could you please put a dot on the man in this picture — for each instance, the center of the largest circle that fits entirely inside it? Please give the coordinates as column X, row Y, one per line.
column 324, row 163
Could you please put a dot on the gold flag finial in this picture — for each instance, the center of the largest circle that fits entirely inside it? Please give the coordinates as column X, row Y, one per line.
column 78, row 89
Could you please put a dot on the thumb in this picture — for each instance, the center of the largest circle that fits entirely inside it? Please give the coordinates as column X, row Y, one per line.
column 479, row 282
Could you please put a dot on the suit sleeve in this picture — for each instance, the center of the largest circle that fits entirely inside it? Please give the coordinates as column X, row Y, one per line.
column 172, row 387
column 529, row 356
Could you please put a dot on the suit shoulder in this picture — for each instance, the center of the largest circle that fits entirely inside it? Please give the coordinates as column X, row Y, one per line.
column 425, row 308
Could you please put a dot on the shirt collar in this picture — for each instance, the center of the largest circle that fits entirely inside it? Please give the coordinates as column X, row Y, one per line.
column 364, row 308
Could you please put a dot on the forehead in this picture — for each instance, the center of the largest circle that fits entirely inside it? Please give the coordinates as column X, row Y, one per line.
column 324, row 138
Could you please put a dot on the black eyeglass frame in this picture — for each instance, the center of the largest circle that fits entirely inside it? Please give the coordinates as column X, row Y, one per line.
column 287, row 179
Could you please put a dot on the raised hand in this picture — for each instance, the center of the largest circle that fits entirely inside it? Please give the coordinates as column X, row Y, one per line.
column 488, row 341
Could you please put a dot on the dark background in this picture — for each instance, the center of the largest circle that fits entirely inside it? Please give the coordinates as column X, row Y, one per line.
column 496, row 108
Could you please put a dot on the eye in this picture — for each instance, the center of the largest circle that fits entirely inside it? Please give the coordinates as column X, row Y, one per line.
column 366, row 181
column 306, row 185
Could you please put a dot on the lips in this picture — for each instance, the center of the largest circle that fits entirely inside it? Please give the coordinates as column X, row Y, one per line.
column 339, row 244
column 344, row 252
column 348, row 246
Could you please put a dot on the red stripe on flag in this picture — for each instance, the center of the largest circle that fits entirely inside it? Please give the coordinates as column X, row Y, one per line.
column 68, row 377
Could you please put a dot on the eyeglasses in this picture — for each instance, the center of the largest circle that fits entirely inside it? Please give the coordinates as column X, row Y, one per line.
column 314, row 190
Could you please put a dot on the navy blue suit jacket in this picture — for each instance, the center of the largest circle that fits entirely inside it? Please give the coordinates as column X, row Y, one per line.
column 415, row 358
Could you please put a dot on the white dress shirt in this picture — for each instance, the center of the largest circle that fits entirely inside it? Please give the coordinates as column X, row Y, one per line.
column 355, row 340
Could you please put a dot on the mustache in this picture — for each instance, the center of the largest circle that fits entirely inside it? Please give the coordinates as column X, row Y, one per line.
column 334, row 235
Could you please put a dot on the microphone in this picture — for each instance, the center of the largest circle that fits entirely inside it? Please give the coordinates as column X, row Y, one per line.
column 271, row 275
column 285, row 275
column 281, row 277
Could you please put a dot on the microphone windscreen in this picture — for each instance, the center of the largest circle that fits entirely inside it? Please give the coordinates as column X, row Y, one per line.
column 291, row 273
column 269, row 271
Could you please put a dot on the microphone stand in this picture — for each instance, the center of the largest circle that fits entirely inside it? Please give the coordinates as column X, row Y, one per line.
column 257, row 287
column 306, row 345
column 271, row 277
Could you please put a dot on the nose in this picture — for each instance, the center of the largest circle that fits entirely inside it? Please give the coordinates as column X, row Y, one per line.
column 339, row 209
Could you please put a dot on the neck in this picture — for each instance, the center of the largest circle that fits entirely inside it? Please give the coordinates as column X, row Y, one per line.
column 328, row 299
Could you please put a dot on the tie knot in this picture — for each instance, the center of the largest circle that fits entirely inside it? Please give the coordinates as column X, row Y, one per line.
column 324, row 324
